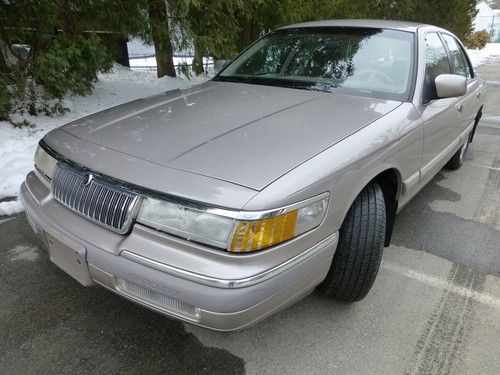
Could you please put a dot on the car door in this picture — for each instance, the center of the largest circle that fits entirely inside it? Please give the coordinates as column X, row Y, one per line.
column 441, row 117
column 470, row 103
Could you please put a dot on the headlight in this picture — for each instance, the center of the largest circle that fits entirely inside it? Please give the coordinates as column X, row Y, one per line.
column 186, row 222
column 44, row 162
column 232, row 230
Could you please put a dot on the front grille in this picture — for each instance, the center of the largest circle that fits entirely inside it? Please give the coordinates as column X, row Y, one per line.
column 93, row 199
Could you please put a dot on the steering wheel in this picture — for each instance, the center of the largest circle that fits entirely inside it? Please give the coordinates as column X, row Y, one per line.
column 374, row 75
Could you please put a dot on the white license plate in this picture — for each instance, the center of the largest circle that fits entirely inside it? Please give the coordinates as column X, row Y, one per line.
column 70, row 257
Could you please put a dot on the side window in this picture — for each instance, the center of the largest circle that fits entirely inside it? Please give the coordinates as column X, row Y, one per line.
column 458, row 61
column 468, row 66
column 437, row 63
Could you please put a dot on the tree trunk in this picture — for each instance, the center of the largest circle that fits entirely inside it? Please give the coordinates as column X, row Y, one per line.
column 249, row 33
column 198, row 67
column 117, row 45
column 122, row 56
column 160, row 33
column 4, row 67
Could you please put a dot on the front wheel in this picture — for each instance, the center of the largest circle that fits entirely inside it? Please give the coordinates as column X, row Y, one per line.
column 361, row 242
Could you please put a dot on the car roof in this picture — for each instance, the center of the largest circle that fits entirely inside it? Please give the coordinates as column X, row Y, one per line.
column 378, row 24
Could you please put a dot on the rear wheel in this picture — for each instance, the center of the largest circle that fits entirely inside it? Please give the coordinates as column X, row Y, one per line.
column 361, row 242
column 458, row 159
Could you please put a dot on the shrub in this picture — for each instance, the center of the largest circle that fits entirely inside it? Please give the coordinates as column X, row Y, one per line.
column 68, row 64
column 48, row 50
column 71, row 65
column 478, row 39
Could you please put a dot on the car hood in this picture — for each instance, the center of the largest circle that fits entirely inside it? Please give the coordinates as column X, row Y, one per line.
column 245, row 134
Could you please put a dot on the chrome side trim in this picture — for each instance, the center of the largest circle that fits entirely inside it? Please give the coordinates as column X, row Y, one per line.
column 231, row 283
column 411, row 182
column 257, row 215
column 448, row 150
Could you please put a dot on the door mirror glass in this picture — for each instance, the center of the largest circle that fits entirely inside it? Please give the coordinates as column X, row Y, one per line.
column 450, row 86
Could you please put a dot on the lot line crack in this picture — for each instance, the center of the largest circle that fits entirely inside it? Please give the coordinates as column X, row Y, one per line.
column 436, row 282
column 487, row 208
column 441, row 347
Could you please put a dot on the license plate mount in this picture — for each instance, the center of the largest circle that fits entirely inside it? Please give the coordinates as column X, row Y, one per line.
column 70, row 257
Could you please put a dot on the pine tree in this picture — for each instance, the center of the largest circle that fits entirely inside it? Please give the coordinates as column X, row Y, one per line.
column 65, row 52
column 211, row 25
column 160, row 30
column 454, row 15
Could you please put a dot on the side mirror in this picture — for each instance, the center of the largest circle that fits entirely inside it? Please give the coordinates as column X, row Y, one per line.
column 221, row 64
column 450, row 86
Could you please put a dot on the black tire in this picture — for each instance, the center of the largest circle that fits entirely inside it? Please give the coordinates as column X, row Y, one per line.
column 458, row 159
column 361, row 242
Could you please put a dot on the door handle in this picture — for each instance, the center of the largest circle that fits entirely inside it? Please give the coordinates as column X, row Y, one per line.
column 460, row 108
column 478, row 94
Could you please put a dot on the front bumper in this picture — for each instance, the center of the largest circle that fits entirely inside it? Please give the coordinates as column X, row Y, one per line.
column 205, row 287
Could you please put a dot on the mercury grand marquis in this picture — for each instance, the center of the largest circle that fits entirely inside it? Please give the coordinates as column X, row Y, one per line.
column 226, row 202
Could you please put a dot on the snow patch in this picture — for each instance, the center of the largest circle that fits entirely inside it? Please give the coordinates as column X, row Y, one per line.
column 485, row 55
column 11, row 208
column 5, row 220
column 20, row 252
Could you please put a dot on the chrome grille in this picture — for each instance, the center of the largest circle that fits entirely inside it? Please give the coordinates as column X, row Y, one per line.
column 95, row 200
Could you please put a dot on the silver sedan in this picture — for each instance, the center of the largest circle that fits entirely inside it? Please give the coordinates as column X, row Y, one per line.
column 224, row 203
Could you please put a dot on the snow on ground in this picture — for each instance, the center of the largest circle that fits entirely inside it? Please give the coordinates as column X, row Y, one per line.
column 485, row 55
column 148, row 63
column 18, row 145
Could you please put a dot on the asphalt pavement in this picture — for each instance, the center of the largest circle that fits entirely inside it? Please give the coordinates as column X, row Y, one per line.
column 434, row 308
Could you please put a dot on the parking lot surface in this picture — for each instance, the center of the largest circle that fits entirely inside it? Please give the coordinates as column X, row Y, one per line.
column 435, row 307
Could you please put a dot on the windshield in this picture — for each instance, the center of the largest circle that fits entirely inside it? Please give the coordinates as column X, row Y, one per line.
column 354, row 61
